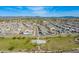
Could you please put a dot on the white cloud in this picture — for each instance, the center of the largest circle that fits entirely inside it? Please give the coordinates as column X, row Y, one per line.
column 39, row 12
column 36, row 8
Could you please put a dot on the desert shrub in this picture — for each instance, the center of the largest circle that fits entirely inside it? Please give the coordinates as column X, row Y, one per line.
column 2, row 38
column 18, row 38
column 23, row 37
column 14, row 38
column 11, row 48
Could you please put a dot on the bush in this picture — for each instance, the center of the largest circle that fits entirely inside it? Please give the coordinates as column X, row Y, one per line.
column 18, row 38
column 1, row 37
column 23, row 37
column 11, row 48
column 14, row 38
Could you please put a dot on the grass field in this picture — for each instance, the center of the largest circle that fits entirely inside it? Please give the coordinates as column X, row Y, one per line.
column 61, row 43
column 22, row 43
column 15, row 43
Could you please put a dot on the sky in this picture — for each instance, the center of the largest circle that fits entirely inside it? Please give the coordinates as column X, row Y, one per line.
column 44, row 11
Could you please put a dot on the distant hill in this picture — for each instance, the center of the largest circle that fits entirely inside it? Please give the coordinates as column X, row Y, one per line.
column 37, row 17
column 68, row 17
